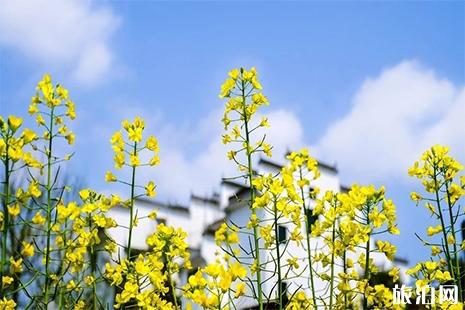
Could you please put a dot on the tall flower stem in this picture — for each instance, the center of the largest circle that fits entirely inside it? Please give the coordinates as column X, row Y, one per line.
column 6, row 201
column 131, row 207
column 49, row 208
column 278, row 257
column 458, row 280
column 443, row 225
column 93, row 266
column 366, row 276
column 170, row 279
column 173, row 289
column 307, row 237
column 331, row 288
column 344, row 266
column 252, row 198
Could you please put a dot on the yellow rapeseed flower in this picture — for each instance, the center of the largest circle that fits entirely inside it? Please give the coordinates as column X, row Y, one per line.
column 150, row 189
column 28, row 249
column 14, row 122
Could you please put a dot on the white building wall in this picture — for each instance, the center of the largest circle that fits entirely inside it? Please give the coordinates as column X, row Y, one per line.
column 203, row 212
column 145, row 226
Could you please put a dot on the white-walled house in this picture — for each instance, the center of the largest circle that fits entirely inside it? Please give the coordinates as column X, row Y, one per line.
column 202, row 216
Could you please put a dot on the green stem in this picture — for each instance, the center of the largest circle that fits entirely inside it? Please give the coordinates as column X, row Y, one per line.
column 458, row 280
column 278, row 257
column 131, row 207
column 61, row 291
column 344, row 258
column 331, row 288
column 60, row 299
column 49, row 209
column 252, row 199
column 6, row 199
column 93, row 266
column 443, row 225
column 218, row 293
column 366, row 276
column 309, row 253
column 173, row 287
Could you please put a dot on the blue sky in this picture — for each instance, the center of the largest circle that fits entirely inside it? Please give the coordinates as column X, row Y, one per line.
column 366, row 85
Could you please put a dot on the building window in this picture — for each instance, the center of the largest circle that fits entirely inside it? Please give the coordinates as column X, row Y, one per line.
column 312, row 193
column 192, row 272
column 311, row 218
column 282, row 233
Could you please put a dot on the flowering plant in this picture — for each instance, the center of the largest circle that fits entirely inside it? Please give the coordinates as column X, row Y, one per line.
column 57, row 249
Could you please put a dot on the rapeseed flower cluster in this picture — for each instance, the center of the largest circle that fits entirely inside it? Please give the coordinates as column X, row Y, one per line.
column 66, row 243
column 347, row 223
column 217, row 285
column 146, row 280
column 242, row 90
column 127, row 154
column 15, row 154
column 58, row 252
column 244, row 97
column 444, row 188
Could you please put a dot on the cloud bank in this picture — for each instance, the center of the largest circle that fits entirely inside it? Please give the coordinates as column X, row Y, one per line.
column 72, row 34
column 393, row 118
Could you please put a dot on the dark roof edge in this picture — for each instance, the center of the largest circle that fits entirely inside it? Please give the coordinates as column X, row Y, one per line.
column 400, row 260
column 211, row 200
column 344, row 188
column 232, row 183
column 213, row 227
column 327, row 166
column 270, row 163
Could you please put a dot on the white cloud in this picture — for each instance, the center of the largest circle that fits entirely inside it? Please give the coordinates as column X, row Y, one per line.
column 393, row 119
column 286, row 132
column 179, row 174
column 72, row 34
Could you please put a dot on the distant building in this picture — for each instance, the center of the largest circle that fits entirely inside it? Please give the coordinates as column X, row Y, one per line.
column 203, row 215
